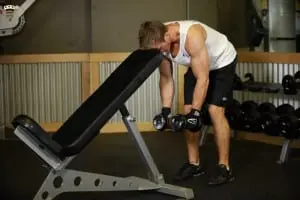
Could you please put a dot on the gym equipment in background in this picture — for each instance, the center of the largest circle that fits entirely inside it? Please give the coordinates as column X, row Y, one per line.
column 250, row 84
column 288, row 122
column 268, row 118
column 289, row 136
column 233, row 114
column 250, row 116
column 253, row 86
column 58, row 150
column 289, row 85
column 237, row 83
column 12, row 18
column 297, row 79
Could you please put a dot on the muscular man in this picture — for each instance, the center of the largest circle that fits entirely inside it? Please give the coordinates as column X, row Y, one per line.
column 211, row 61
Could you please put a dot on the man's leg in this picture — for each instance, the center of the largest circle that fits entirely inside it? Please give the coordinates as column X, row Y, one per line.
column 220, row 95
column 222, row 133
column 192, row 166
column 223, row 173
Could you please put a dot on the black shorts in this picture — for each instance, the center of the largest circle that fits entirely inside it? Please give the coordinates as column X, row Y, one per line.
column 220, row 89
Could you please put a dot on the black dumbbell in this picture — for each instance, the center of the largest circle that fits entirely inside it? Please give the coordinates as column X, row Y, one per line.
column 249, row 80
column 162, row 121
column 233, row 114
column 180, row 122
column 250, row 116
column 289, row 85
column 251, row 85
column 297, row 79
column 288, row 123
column 288, row 126
column 285, row 109
column 266, row 107
column 249, row 77
column 237, row 83
column 271, row 120
column 268, row 118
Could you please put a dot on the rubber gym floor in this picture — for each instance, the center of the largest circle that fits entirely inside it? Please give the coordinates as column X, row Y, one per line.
column 253, row 163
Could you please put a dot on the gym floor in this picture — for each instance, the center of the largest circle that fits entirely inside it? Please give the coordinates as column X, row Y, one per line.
column 253, row 163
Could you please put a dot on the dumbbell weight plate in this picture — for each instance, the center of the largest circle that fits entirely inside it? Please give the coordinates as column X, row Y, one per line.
column 177, row 123
column 268, row 123
column 237, row 83
column 250, row 116
column 233, row 114
column 297, row 79
column 267, row 107
column 285, row 109
column 288, row 126
column 289, row 85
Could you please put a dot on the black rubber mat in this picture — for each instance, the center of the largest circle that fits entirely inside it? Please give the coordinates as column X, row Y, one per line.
column 254, row 165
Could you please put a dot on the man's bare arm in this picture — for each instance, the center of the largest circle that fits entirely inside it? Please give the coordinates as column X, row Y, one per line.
column 196, row 47
column 166, row 84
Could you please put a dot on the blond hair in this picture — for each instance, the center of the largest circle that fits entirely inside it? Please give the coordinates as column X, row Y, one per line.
column 151, row 32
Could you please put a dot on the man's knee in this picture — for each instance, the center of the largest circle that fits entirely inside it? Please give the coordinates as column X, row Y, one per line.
column 216, row 112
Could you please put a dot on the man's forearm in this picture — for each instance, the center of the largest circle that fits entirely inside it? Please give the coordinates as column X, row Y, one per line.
column 199, row 95
column 166, row 91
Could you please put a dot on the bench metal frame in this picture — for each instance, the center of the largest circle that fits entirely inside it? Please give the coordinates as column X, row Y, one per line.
column 61, row 180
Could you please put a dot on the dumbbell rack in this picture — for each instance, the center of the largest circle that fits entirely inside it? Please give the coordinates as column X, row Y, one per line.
column 283, row 158
column 284, row 152
column 286, row 145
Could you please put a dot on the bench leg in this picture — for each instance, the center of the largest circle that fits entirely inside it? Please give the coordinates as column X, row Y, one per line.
column 58, row 182
column 154, row 174
column 204, row 132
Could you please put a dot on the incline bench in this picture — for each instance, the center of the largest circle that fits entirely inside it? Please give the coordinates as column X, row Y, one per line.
column 83, row 125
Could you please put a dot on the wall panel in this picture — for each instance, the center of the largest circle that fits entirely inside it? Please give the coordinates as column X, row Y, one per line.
column 48, row 92
column 145, row 102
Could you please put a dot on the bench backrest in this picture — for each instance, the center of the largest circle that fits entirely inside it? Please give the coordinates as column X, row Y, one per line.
column 84, row 124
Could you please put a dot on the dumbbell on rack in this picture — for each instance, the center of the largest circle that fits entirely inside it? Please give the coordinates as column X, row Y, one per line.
column 233, row 114
column 270, row 121
column 289, row 128
column 289, row 124
column 250, row 116
column 289, row 85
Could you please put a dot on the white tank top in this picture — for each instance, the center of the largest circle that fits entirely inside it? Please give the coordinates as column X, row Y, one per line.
column 220, row 50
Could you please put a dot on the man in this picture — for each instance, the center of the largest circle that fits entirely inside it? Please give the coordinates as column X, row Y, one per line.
column 211, row 61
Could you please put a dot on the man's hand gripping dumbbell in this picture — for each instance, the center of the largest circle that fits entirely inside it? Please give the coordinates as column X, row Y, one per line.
column 192, row 121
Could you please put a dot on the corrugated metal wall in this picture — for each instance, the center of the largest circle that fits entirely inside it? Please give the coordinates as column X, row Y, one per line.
column 145, row 102
column 48, row 92
column 271, row 73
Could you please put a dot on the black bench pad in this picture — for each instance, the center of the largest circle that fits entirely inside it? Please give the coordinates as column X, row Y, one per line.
column 84, row 124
